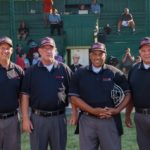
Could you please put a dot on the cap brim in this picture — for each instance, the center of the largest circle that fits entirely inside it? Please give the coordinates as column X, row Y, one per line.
column 143, row 45
column 98, row 50
column 46, row 44
column 3, row 42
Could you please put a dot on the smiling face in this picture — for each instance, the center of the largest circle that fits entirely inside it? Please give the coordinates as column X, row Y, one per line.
column 5, row 52
column 97, row 58
column 145, row 53
column 47, row 53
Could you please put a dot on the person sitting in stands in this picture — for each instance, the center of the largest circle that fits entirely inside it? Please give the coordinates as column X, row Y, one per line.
column 23, row 31
column 82, row 7
column 107, row 29
column 55, row 21
column 126, row 20
column 95, row 7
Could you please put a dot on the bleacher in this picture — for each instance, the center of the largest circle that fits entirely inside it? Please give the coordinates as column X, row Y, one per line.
column 79, row 29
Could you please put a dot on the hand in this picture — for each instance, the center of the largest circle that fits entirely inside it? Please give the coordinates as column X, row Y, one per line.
column 73, row 119
column 128, row 121
column 112, row 111
column 27, row 125
column 102, row 112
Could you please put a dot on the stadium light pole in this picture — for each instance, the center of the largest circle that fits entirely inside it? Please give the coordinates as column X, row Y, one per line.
column 12, row 24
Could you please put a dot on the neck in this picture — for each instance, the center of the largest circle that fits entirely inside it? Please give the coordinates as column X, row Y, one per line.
column 47, row 62
column 5, row 63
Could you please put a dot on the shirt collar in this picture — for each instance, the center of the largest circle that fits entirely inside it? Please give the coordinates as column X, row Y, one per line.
column 146, row 66
column 104, row 67
column 55, row 64
column 11, row 66
column 142, row 66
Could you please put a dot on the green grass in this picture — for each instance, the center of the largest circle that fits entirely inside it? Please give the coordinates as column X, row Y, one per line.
column 128, row 139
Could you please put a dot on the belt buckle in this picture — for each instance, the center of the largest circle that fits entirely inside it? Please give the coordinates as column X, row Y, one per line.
column 145, row 111
column 4, row 116
column 50, row 113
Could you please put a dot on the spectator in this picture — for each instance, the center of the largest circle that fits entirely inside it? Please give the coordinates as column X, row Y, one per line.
column 102, row 36
column 76, row 65
column 107, row 29
column 113, row 61
column 58, row 57
column 127, row 61
column 95, row 7
column 26, row 61
column 33, row 47
column 19, row 61
column 23, row 31
column 126, row 20
column 82, row 7
column 36, row 58
column 19, row 49
column 47, row 6
column 137, row 59
column 55, row 21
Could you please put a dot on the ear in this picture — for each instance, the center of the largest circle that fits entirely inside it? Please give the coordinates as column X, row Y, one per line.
column 12, row 50
column 39, row 50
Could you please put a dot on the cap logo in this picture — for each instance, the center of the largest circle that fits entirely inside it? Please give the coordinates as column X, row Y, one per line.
column 145, row 41
column 98, row 46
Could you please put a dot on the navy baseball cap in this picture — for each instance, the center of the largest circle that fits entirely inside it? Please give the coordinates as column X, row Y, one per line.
column 144, row 41
column 47, row 41
column 98, row 47
column 7, row 40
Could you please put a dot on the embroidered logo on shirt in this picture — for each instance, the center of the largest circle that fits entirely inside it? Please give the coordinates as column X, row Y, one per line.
column 59, row 77
column 12, row 74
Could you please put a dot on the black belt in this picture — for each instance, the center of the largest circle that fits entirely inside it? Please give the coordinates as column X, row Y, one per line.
column 48, row 113
column 145, row 111
column 8, row 115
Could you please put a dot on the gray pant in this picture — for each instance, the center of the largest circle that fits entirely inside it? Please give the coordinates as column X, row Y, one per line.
column 10, row 134
column 95, row 133
column 48, row 131
column 142, row 123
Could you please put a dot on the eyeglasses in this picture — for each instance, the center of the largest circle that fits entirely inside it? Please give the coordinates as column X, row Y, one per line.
column 5, row 49
column 48, row 49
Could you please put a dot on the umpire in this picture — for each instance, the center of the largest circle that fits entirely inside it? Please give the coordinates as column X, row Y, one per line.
column 90, row 90
column 45, row 89
column 139, row 79
column 10, row 80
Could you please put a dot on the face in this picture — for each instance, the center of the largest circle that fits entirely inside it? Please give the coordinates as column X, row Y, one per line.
column 47, row 53
column 5, row 51
column 98, row 58
column 75, row 60
column 145, row 54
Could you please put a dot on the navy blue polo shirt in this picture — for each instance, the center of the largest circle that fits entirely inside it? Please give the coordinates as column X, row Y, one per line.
column 10, row 84
column 47, row 90
column 139, row 80
column 95, row 88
